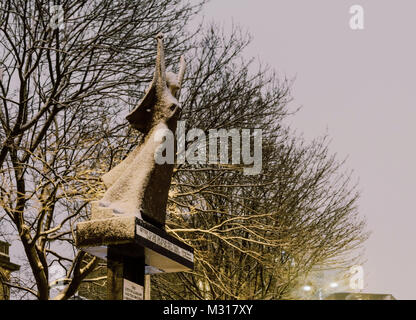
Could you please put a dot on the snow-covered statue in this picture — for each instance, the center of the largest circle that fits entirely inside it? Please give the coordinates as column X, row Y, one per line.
column 138, row 186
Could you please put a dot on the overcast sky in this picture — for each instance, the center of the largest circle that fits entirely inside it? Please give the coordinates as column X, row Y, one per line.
column 359, row 86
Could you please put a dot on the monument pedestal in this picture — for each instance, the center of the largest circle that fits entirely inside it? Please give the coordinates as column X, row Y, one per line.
column 132, row 248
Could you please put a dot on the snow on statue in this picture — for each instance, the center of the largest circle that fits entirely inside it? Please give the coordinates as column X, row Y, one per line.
column 139, row 186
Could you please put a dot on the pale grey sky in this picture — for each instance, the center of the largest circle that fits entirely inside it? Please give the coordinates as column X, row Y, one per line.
column 360, row 87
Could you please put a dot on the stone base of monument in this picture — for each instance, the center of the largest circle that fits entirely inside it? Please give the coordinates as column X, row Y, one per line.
column 132, row 248
column 162, row 252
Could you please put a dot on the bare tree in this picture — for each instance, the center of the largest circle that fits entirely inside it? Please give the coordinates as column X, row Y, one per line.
column 65, row 83
column 255, row 236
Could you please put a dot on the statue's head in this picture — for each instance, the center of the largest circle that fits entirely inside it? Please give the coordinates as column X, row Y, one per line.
column 173, row 83
column 160, row 102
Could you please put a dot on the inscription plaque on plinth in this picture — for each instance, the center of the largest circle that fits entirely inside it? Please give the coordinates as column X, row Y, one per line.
column 132, row 291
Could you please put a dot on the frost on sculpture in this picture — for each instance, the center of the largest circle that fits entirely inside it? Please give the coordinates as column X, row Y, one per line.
column 138, row 186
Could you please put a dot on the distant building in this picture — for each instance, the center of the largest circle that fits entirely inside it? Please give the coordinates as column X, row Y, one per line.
column 359, row 296
column 6, row 267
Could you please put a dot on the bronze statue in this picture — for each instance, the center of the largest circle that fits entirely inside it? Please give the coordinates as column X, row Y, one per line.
column 138, row 185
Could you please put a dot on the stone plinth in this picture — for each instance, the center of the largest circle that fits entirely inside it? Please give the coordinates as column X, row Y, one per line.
column 132, row 237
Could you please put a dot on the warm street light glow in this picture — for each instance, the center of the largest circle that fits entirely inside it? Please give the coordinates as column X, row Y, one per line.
column 307, row 288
